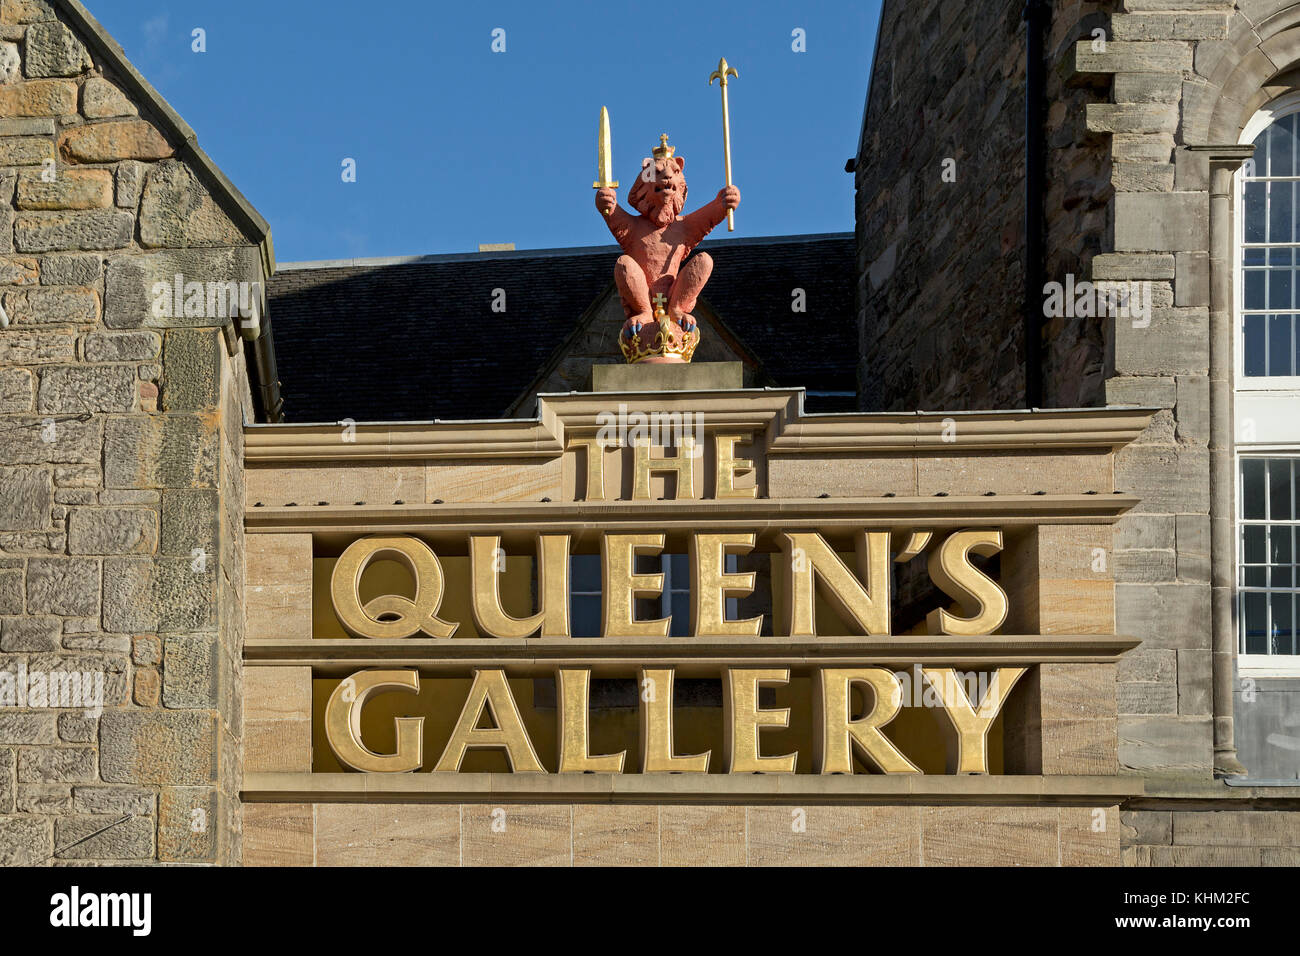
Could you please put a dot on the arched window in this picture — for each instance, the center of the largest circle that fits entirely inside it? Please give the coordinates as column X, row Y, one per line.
column 1267, row 393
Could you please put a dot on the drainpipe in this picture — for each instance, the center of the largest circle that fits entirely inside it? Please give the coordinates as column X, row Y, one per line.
column 1037, row 16
column 1223, row 162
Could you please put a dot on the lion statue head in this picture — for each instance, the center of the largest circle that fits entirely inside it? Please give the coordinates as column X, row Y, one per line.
column 660, row 190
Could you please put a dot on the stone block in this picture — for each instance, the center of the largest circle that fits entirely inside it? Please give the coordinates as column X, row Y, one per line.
column 11, row 591
column 45, row 306
column 1165, row 222
column 175, row 748
column 190, row 672
column 25, row 841
column 1166, row 743
column 1132, row 118
column 87, row 388
column 370, row 835
column 112, row 531
column 1143, row 665
column 77, row 729
column 27, row 728
column 1164, row 615
column 52, row 50
column 192, row 365
column 129, row 839
column 26, row 496
column 67, row 587
column 72, row 189
column 19, row 271
column 29, row 635
column 1146, row 88
column 278, row 586
column 130, row 297
column 111, row 141
column 1168, row 478
column 190, row 522
column 177, row 211
column 1122, row 56
column 123, row 346
column 1089, row 836
column 130, row 183
column 51, row 765
column 188, row 823
column 278, row 834
column 116, row 800
column 990, row 836
column 17, row 390
column 516, row 835
column 25, row 151
column 100, row 99
column 1195, row 682
column 702, row 835
column 615, row 835
column 160, row 451
column 8, row 786
column 39, row 98
column 1085, row 747
column 63, row 231
column 72, row 270
column 44, row 798
column 1149, row 827
column 167, row 594
column 277, row 704
column 1148, row 698
column 828, row 835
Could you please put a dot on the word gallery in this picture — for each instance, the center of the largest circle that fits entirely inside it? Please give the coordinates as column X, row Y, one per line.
column 849, row 701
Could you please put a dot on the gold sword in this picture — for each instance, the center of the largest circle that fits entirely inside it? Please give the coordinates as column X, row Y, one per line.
column 604, row 158
column 720, row 74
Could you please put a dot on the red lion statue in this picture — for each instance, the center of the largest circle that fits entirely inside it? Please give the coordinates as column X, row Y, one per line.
column 656, row 281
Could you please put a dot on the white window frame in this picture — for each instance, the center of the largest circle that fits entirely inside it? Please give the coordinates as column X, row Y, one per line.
column 1274, row 111
column 1256, row 396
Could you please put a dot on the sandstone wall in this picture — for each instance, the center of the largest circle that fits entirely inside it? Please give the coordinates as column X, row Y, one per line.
column 121, row 487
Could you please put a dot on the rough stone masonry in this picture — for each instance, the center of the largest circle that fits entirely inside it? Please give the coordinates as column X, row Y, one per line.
column 121, row 490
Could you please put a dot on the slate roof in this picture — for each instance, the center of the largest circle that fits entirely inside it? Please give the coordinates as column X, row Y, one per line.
column 416, row 339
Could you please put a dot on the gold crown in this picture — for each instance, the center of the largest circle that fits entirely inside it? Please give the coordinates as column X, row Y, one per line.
column 663, row 150
column 669, row 341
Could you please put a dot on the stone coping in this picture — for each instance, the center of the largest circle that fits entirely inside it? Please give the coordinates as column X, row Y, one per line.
column 778, row 413
column 911, row 788
column 523, row 520
column 690, row 656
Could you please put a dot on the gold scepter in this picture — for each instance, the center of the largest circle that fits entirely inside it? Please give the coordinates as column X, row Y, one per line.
column 720, row 74
column 604, row 160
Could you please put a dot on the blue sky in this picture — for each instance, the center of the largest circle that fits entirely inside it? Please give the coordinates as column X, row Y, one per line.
column 456, row 145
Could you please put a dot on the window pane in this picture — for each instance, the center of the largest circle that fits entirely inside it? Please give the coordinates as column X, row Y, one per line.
column 681, row 626
column 1279, row 345
column 1279, row 545
column 1281, row 226
column 584, row 615
column 1256, row 211
column 1279, row 290
column 584, row 572
column 1256, row 577
column 1281, row 152
column 1279, row 489
column 1255, row 550
column 1253, row 293
column 1283, row 637
column 1280, row 257
column 1252, row 487
column 1255, row 622
column 1254, row 256
column 680, row 572
column 1253, row 360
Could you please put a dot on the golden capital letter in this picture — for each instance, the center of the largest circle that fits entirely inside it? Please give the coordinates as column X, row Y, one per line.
column 343, row 723
column 810, row 558
column 729, row 466
column 622, row 587
column 951, row 569
column 490, row 689
column 392, row 615
column 682, row 465
column 595, row 452
column 711, row 586
column 743, row 721
column 486, row 562
column 972, row 725
column 837, row 733
column 656, row 684
column 574, row 686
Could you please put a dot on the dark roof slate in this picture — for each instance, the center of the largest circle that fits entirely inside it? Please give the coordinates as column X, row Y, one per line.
column 418, row 340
